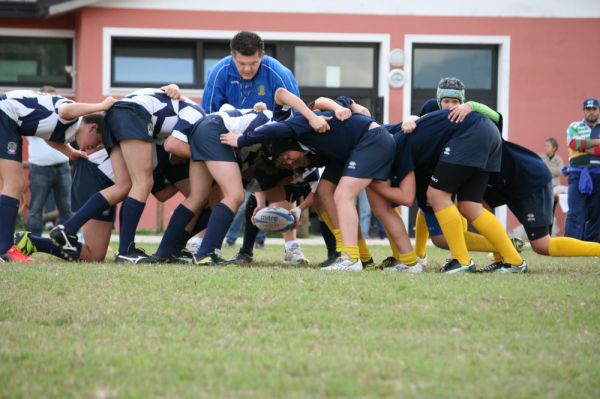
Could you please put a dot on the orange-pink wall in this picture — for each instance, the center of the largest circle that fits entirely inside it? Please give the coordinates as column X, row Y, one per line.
column 553, row 62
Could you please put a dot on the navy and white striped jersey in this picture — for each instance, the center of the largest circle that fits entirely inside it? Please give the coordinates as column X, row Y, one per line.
column 36, row 114
column 310, row 176
column 166, row 113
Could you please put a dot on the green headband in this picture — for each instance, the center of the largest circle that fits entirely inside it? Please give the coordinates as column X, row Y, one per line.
column 450, row 93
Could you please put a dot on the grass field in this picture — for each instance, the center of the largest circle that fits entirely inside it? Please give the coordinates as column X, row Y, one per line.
column 106, row 330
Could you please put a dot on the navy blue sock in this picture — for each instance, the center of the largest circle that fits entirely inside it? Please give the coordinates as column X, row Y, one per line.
column 250, row 233
column 218, row 224
column 9, row 207
column 175, row 233
column 202, row 221
column 46, row 246
column 92, row 207
column 329, row 238
column 132, row 212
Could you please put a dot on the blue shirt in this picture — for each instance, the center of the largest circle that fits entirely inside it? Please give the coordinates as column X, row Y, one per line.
column 226, row 86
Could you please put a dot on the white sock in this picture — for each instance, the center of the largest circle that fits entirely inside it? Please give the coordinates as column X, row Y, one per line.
column 290, row 244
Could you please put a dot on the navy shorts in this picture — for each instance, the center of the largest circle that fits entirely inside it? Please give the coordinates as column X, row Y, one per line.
column 533, row 211
column 87, row 181
column 372, row 157
column 124, row 121
column 205, row 141
column 432, row 223
column 479, row 146
column 166, row 173
column 333, row 172
column 11, row 141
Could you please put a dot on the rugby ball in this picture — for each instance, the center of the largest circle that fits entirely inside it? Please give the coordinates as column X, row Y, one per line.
column 273, row 219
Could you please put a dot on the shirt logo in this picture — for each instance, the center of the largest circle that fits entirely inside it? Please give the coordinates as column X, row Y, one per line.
column 11, row 148
column 351, row 165
column 530, row 217
column 261, row 90
column 150, row 129
column 434, row 179
column 447, row 151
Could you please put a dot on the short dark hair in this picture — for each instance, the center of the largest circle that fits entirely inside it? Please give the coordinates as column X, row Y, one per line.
column 247, row 43
column 98, row 119
column 553, row 142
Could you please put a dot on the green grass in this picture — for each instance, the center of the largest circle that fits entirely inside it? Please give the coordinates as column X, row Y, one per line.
column 106, row 330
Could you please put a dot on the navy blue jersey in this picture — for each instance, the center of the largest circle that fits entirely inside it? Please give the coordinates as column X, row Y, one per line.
column 36, row 114
column 427, row 143
column 335, row 144
column 429, row 106
column 522, row 172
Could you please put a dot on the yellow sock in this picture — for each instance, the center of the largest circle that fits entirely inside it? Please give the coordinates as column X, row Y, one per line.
column 490, row 228
column 421, row 235
column 395, row 251
column 409, row 259
column 565, row 246
column 351, row 251
column 450, row 221
column 336, row 232
column 363, row 250
column 478, row 243
column 465, row 223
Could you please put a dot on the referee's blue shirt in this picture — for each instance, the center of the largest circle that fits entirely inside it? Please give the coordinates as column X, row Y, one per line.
column 225, row 85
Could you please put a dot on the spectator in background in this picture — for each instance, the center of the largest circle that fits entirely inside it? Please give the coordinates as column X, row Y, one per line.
column 49, row 172
column 583, row 138
column 555, row 163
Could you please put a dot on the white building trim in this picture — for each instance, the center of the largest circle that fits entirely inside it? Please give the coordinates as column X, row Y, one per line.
column 504, row 8
column 43, row 33
column 382, row 39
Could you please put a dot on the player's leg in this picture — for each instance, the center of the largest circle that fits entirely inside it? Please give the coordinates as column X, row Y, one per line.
column 96, row 235
column 12, row 187
column 228, row 177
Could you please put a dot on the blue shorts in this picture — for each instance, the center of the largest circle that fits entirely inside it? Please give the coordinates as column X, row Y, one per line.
column 372, row 157
column 125, row 121
column 535, row 210
column 166, row 173
column 479, row 147
column 205, row 141
column 11, row 141
column 333, row 172
column 87, row 181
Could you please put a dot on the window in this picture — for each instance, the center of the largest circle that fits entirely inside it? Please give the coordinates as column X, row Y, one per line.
column 35, row 61
column 474, row 65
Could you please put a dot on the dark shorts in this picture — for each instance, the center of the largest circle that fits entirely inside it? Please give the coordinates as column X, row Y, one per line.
column 432, row 223
column 372, row 157
column 205, row 141
column 11, row 142
column 166, row 173
column 125, row 121
column 87, row 181
column 535, row 211
column 296, row 192
column 467, row 182
column 479, row 146
column 333, row 172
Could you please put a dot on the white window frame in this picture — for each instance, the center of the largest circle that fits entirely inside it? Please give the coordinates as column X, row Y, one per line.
column 503, row 43
column 383, row 40
column 44, row 33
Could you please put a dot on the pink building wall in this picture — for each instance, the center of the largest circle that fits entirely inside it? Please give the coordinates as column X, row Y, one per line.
column 553, row 62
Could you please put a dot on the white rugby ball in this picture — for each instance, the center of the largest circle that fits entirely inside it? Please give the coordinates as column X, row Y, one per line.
column 273, row 219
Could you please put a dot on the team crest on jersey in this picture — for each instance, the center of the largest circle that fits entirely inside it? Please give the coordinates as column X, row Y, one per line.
column 447, row 151
column 261, row 90
column 150, row 129
column 11, row 148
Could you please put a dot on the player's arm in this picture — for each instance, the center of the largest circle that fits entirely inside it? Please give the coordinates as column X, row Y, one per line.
column 67, row 150
column 595, row 147
column 583, row 144
column 404, row 194
column 409, row 124
column 460, row 112
column 176, row 144
column 73, row 110
column 317, row 122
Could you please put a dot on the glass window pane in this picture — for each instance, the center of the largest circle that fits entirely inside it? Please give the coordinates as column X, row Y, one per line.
column 32, row 61
column 330, row 66
column 213, row 53
column 472, row 66
column 148, row 63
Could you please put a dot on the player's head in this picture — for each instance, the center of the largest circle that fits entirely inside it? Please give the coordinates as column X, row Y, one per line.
column 450, row 92
column 550, row 146
column 247, row 50
column 591, row 110
column 89, row 135
column 288, row 154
